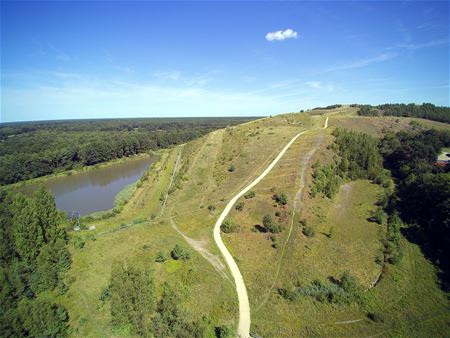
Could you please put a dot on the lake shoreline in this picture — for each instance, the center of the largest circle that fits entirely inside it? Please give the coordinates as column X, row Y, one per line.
column 83, row 169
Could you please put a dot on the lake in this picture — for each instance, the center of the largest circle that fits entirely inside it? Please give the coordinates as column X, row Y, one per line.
column 94, row 189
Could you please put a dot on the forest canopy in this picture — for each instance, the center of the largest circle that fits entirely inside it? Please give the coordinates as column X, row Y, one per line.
column 34, row 149
column 34, row 258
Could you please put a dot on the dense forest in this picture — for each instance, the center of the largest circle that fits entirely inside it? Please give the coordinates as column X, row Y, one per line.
column 34, row 149
column 359, row 158
column 34, row 257
column 426, row 110
column 423, row 190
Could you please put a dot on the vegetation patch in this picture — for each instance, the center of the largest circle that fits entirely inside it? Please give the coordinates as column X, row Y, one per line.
column 228, row 226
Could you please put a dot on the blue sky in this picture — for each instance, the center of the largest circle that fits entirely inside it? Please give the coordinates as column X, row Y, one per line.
column 131, row 59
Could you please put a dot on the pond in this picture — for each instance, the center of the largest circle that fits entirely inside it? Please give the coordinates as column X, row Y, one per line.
column 95, row 189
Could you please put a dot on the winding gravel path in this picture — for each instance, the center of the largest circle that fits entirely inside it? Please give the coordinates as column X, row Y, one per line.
column 244, row 307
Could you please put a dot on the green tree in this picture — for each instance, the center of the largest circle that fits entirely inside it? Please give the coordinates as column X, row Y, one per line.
column 170, row 316
column 132, row 297
column 41, row 318
column 27, row 233
column 47, row 215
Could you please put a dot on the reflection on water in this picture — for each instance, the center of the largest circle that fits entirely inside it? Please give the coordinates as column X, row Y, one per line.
column 94, row 190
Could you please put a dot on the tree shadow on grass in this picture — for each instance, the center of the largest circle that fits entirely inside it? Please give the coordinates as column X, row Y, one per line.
column 415, row 235
column 260, row 228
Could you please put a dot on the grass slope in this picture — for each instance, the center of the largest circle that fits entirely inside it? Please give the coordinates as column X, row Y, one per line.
column 408, row 295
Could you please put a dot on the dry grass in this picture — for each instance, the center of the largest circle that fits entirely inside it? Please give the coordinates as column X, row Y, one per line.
column 377, row 126
column 203, row 179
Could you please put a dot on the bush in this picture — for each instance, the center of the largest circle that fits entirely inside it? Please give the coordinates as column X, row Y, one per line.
column 223, row 332
column 330, row 232
column 240, row 206
column 105, row 295
column 375, row 317
column 228, row 227
column 309, row 231
column 250, row 194
column 267, row 221
column 180, row 253
column 280, row 198
column 288, row 294
column 392, row 248
column 160, row 257
column 270, row 225
column 231, row 168
column 344, row 290
column 211, row 208
column 378, row 216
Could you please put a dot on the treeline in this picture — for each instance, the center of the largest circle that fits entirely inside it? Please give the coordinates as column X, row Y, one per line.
column 426, row 110
column 137, row 308
column 333, row 106
column 359, row 158
column 34, row 257
column 34, row 149
column 423, row 190
column 124, row 124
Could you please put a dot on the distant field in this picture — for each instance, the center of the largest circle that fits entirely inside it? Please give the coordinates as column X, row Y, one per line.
column 376, row 126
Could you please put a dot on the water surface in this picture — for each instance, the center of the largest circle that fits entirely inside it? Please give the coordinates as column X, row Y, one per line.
column 95, row 189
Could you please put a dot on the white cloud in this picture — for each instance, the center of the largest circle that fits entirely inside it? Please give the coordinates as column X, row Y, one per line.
column 314, row 84
column 281, row 35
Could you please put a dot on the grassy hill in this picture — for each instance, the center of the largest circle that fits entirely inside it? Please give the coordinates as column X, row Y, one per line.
column 200, row 177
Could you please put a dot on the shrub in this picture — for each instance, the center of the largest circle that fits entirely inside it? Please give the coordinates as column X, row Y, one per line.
column 267, row 221
column 250, row 194
column 229, row 226
column 105, row 295
column 270, row 225
column 180, row 253
column 309, row 231
column 378, row 216
column 231, row 168
column 288, row 294
column 375, row 317
column 240, row 206
column 223, row 331
column 211, row 208
column 330, row 232
column 280, row 198
column 160, row 257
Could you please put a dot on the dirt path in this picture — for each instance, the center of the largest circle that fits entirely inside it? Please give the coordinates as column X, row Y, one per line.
column 303, row 165
column 171, row 181
column 244, row 307
column 199, row 247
